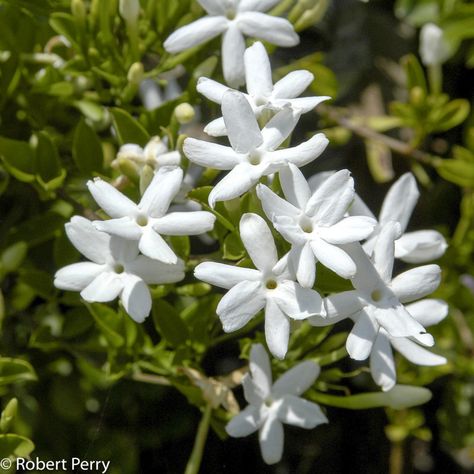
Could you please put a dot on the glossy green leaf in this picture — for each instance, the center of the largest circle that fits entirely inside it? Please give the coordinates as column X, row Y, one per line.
column 169, row 324
column 15, row 370
column 48, row 163
column 128, row 129
column 87, row 149
column 15, row 445
column 19, row 159
column 457, row 171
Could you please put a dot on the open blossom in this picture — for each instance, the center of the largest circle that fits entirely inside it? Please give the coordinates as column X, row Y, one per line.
column 412, row 247
column 233, row 19
column 115, row 270
column 262, row 94
column 145, row 221
column 271, row 404
column 314, row 223
column 377, row 303
column 271, row 286
column 253, row 152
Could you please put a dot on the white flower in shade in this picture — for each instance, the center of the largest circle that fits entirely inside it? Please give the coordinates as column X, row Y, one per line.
column 155, row 154
column 144, row 222
column 382, row 365
column 378, row 299
column 314, row 223
column 115, row 270
column 412, row 247
column 271, row 405
column 233, row 19
column 262, row 94
column 253, row 153
column 433, row 46
column 270, row 286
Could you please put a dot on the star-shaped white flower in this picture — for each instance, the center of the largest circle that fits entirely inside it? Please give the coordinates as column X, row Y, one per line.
column 412, row 247
column 382, row 364
column 314, row 223
column 262, row 95
column 115, row 270
column 234, row 19
column 378, row 299
column 144, row 222
column 270, row 405
column 155, row 154
column 270, row 286
column 253, row 153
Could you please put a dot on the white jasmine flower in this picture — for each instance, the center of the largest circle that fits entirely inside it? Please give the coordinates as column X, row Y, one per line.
column 115, row 270
column 314, row 223
column 233, row 19
column 270, row 405
column 433, row 47
column 155, row 154
column 382, row 364
column 262, row 94
column 270, row 286
column 412, row 247
column 378, row 299
column 145, row 221
column 253, row 152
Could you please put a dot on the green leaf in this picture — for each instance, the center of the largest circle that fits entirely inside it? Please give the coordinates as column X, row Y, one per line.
column 457, row 172
column 12, row 257
column 87, row 149
column 64, row 24
column 15, row 370
column 194, row 289
column 414, row 73
column 38, row 229
column 15, row 445
column 451, row 115
column 169, row 324
column 19, row 159
column 232, row 248
column 48, row 163
column 109, row 323
column 128, row 129
column 181, row 245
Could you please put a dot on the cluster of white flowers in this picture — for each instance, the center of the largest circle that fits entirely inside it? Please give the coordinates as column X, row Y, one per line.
column 323, row 220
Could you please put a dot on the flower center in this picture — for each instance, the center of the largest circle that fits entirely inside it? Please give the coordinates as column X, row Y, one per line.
column 142, row 220
column 306, row 224
column 376, row 295
column 271, row 284
column 119, row 268
column 260, row 100
column 255, row 157
column 268, row 402
column 230, row 13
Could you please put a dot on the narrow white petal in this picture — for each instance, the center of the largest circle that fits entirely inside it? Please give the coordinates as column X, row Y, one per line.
column 290, row 230
column 155, row 272
column 243, row 424
column 125, row 227
column 428, row 312
column 77, row 276
column 297, row 302
column 349, row 229
column 164, row 186
column 216, row 128
column 279, row 128
column 361, row 339
column 271, row 439
column 224, row 276
column 105, row 287
column 295, row 187
column 112, row 201
column 241, row 124
column 260, row 368
column 275, row 30
column 93, row 244
column 213, row 7
column 305, row 104
column 300, row 412
column 136, row 298
column 258, row 240
column 366, row 277
column 398, row 322
column 211, row 155
column 258, row 72
column 360, row 208
column 251, row 393
column 296, row 380
column 277, row 329
column 400, row 201
column 195, row 33
column 333, row 258
column 415, row 353
column 343, row 304
column 384, row 249
column 123, row 250
column 292, row 85
column 154, row 246
column 256, row 5
column 304, row 153
column 420, row 246
column 233, row 48
column 382, row 364
column 185, row 223
column 331, row 200
column 416, row 283
column 304, row 265
column 273, row 205
column 211, row 89
column 240, row 304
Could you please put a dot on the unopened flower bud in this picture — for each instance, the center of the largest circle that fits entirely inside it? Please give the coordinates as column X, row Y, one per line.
column 184, row 113
column 135, row 73
column 78, row 10
column 129, row 10
column 433, row 46
column 146, row 177
column 128, row 168
column 417, row 95
column 8, row 414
